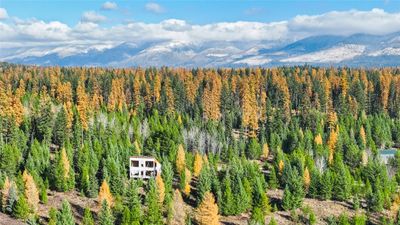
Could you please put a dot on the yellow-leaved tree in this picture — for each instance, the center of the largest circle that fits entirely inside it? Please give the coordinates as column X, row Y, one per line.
column 160, row 189
column 207, row 212
column 180, row 159
column 31, row 191
column 306, row 178
column 197, row 164
column 105, row 194
column 265, row 151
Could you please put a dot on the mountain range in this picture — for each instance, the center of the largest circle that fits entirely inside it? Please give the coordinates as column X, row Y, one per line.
column 327, row 50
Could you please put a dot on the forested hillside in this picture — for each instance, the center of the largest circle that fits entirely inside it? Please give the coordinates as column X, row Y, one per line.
column 224, row 137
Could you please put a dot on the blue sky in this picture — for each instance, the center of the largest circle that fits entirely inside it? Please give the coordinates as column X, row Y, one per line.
column 194, row 11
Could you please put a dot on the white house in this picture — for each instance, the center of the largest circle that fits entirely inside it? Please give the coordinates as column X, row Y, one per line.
column 143, row 167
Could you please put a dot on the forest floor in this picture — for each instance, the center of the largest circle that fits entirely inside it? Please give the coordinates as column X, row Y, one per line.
column 322, row 209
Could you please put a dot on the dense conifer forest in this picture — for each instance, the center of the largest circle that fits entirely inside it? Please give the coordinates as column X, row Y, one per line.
column 225, row 139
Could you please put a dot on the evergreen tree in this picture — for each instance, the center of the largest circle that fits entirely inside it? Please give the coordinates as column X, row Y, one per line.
column 65, row 216
column 203, row 184
column 154, row 215
column 21, row 208
column 133, row 202
column 273, row 181
column 87, row 217
column 227, row 205
column 257, row 216
column 272, row 221
column 64, row 177
column 53, row 216
column 60, row 130
column 126, row 217
column 105, row 214
column 325, row 186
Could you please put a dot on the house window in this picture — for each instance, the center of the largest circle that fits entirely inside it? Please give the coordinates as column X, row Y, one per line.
column 149, row 173
column 135, row 163
column 150, row 164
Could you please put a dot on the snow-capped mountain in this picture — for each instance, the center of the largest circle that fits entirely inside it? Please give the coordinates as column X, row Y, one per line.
column 356, row 50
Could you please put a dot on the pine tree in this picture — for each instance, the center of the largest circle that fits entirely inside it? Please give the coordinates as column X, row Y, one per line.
column 21, row 208
column 126, row 216
column 87, row 217
column 53, row 216
column 272, row 221
column 207, row 212
column 60, row 129
column 65, row 216
column 105, row 194
column 133, row 202
column 227, row 205
column 325, row 186
column 105, row 215
column 63, row 173
column 203, row 184
column 154, row 214
column 257, row 216
column 287, row 203
column 272, row 179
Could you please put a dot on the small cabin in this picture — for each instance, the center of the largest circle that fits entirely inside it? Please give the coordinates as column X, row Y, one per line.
column 143, row 167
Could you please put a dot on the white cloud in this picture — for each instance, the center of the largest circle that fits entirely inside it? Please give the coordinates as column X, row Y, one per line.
column 109, row 6
column 376, row 21
column 154, row 7
column 3, row 14
column 92, row 17
column 88, row 32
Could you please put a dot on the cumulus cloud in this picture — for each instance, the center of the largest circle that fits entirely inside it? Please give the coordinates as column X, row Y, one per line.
column 89, row 32
column 3, row 14
column 109, row 6
column 154, row 7
column 92, row 17
column 376, row 21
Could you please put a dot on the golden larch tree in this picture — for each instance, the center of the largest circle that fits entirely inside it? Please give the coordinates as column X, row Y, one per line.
column 180, row 159
column 333, row 135
column 318, row 139
column 265, row 150
column 105, row 194
column 160, row 189
column 5, row 191
column 281, row 165
column 197, row 164
column 157, row 88
column 306, row 178
column 31, row 191
column 363, row 135
column 207, row 212
column 188, row 179
column 170, row 95
column 65, row 163
column 82, row 105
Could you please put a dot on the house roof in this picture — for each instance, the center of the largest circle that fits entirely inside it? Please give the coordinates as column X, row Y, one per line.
column 143, row 157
